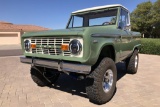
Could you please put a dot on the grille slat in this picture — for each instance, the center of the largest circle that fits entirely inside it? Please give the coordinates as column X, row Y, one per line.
column 50, row 45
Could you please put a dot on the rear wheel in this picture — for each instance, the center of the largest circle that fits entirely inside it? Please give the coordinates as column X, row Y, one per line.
column 132, row 63
column 101, row 83
column 44, row 77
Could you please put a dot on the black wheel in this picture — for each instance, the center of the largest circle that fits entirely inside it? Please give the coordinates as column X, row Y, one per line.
column 43, row 78
column 132, row 63
column 101, row 83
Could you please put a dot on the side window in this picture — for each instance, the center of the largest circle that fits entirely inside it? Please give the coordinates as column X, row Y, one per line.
column 124, row 19
column 78, row 21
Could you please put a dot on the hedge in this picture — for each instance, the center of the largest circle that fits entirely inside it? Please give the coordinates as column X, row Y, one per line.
column 150, row 46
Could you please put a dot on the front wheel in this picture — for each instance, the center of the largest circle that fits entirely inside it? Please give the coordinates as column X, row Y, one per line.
column 101, row 83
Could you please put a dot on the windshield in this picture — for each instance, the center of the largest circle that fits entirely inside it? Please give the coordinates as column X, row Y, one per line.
column 103, row 18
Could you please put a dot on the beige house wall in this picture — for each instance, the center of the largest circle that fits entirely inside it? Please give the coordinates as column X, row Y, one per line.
column 7, row 38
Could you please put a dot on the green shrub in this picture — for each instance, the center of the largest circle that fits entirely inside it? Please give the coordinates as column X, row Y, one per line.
column 150, row 46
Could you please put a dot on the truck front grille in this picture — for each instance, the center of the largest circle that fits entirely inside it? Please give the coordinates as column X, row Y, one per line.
column 50, row 45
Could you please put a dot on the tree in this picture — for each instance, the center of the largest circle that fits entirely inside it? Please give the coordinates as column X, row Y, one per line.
column 141, row 18
column 146, row 19
column 156, row 19
column 156, row 11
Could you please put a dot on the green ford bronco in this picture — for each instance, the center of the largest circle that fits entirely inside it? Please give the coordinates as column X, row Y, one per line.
column 95, row 39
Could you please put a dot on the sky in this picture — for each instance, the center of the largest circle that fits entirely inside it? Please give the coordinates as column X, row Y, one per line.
column 53, row 14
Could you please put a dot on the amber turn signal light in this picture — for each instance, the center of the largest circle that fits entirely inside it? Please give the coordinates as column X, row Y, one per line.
column 33, row 46
column 64, row 47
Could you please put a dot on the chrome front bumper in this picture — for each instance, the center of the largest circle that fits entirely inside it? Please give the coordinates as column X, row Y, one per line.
column 60, row 66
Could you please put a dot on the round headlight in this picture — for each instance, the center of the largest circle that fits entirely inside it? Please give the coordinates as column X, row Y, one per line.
column 27, row 45
column 75, row 47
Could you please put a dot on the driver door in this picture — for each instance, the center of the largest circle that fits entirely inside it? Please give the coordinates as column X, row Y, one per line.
column 126, row 34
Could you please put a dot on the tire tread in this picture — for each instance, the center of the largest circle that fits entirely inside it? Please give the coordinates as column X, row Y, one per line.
column 94, row 92
column 131, row 63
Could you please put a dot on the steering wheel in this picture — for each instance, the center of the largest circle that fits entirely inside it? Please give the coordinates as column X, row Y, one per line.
column 106, row 23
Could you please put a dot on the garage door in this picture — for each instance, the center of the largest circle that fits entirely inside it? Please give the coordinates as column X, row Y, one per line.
column 6, row 39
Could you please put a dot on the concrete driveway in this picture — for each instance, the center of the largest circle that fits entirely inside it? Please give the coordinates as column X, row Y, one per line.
column 10, row 50
column 18, row 90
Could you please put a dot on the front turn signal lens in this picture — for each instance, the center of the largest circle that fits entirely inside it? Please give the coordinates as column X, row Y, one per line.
column 64, row 47
column 33, row 46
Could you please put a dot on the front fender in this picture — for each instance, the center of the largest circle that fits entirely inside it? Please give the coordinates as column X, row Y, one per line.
column 96, row 47
column 137, row 47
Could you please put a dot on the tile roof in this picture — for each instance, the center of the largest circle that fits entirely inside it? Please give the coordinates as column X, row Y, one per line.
column 7, row 26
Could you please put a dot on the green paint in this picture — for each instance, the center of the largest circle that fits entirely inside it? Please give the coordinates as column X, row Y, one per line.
column 124, row 44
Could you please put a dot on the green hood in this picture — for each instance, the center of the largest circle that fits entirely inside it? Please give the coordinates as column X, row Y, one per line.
column 61, row 32
column 85, row 31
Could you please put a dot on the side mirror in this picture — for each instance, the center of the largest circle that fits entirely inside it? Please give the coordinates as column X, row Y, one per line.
column 128, row 27
column 119, row 27
column 124, row 27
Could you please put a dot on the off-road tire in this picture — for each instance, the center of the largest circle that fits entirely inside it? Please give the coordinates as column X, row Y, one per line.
column 38, row 77
column 94, row 81
column 131, row 66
